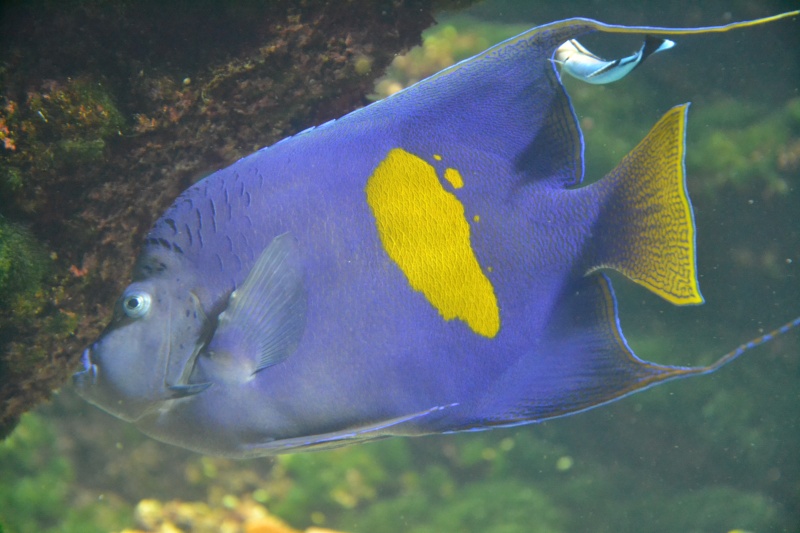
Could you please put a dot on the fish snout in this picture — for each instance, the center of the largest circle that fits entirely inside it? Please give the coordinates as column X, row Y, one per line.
column 88, row 376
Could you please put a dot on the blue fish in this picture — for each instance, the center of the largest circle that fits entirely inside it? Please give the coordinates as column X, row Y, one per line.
column 427, row 264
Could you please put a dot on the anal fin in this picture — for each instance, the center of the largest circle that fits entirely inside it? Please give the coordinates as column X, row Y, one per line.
column 344, row 437
column 583, row 361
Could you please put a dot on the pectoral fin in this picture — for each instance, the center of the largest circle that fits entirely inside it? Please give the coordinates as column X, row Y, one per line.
column 266, row 315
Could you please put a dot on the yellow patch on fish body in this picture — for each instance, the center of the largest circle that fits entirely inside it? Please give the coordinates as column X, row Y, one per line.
column 454, row 178
column 424, row 230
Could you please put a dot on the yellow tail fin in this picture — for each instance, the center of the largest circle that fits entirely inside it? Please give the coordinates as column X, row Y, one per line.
column 646, row 230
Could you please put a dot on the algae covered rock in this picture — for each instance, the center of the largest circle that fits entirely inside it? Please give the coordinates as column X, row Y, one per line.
column 22, row 263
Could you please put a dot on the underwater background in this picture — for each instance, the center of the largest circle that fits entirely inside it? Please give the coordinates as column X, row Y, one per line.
column 109, row 109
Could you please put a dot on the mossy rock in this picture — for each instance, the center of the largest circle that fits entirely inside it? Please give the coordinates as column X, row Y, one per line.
column 23, row 262
column 78, row 110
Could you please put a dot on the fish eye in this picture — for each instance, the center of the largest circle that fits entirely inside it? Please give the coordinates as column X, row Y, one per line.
column 136, row 304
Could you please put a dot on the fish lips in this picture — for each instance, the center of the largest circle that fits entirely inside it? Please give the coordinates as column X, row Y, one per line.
column 93, row 386
column 86, row 384
column 88, row 376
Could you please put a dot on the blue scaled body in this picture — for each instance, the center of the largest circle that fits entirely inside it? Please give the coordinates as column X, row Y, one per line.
column 427, row 264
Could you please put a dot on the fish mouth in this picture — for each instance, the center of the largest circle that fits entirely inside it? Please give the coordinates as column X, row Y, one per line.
column 88, row 376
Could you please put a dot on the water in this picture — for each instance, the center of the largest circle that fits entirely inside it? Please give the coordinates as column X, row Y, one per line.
column 714, row 453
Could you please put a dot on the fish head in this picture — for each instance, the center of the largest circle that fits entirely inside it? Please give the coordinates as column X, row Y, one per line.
column 145, row 356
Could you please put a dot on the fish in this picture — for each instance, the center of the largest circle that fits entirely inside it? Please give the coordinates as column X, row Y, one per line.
column 582, row 64
column 430, row 263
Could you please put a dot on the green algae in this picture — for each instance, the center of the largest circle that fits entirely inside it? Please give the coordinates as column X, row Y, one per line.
column 741, row 145
column 24, row 269
column 731, row 143
column 79, row 110
column 40, row 477
column 58, row 127
column 454, row 39
column 29, row 293
column 37, row 482
column 498, row 506
column 304, row 485
column 23, row 263
column 535, row 479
